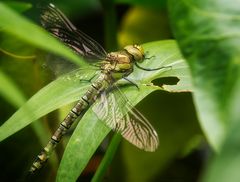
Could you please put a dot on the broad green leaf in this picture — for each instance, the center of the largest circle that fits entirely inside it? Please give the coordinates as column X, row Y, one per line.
column 17, row 25
column 225, row 166
column 208, row 35
column 69, row 88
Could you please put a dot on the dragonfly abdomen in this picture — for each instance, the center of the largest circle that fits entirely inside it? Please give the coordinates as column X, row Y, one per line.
column 101, row 83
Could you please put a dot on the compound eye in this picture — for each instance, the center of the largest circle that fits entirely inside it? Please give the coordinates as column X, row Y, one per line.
column 136, row 51
column 137, row 46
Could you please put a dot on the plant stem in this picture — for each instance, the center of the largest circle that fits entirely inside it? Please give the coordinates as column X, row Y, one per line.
column 110, row 25
column 107, row 159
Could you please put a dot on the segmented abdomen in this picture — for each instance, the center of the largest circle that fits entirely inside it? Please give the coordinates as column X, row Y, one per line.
column 101, row 83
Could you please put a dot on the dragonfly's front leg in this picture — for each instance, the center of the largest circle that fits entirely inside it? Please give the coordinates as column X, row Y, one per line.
column 90, row 79
column 131, row 82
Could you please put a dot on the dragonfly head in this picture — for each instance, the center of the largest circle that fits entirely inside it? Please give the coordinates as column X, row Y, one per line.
column 136, row 51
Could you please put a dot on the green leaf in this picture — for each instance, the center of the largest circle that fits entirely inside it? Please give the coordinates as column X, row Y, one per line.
column 229, row 154
column 18, row 26
column 208, row 35
column 19, row 6
column 9, row 91
column 108, row 157
column 58, row 93
column 69, row 88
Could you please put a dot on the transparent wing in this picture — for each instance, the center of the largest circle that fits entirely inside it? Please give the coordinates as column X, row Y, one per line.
column 58, row 65
column 82, row 75
column 57, row 23
column 116, row 111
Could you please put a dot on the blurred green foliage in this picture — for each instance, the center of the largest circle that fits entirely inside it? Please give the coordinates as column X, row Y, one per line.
column 206, row 34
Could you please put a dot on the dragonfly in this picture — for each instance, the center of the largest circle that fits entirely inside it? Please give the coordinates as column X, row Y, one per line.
column 120, row 117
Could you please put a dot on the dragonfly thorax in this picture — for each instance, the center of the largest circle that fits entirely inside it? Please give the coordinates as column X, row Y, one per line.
column 120, row 63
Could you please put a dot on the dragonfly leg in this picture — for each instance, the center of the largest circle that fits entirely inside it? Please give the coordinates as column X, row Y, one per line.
column 88, row 80
column 147, row 57
column 131, row 82
column 150, row 57
column 95, row 65
column 149, row 69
